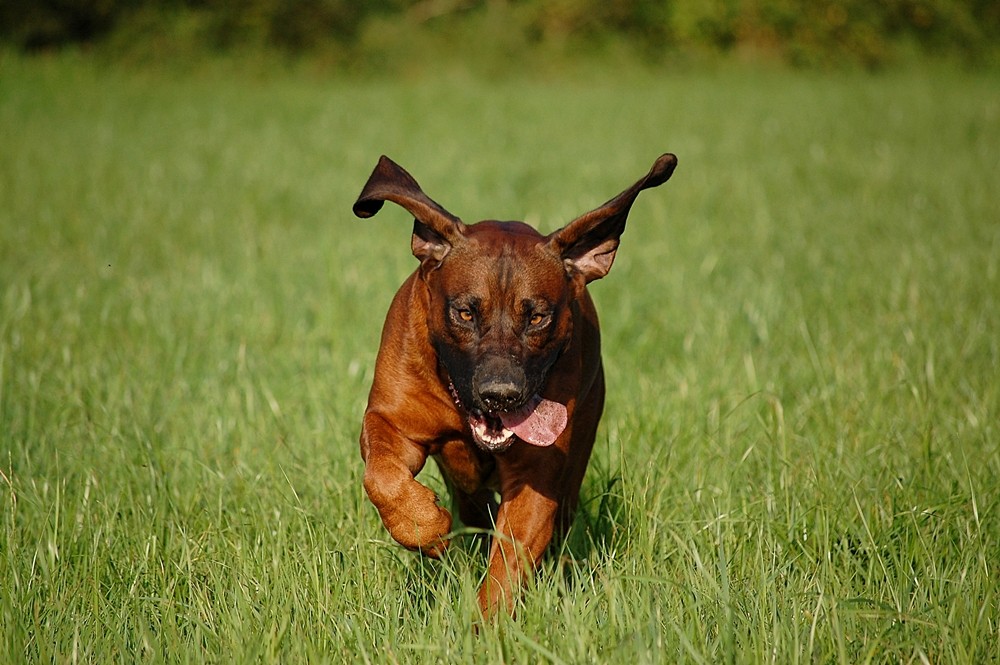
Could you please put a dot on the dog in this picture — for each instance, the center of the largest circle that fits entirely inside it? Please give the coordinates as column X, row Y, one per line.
column 490, row 363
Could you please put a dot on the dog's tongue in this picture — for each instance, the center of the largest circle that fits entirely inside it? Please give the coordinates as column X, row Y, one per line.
column 539, row 422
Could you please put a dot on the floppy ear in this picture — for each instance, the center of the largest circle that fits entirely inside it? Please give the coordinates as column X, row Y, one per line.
column 588, row 244
column 435, row 229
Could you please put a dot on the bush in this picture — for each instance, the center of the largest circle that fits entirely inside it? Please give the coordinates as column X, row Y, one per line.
column 800, row 31
column 294, row 26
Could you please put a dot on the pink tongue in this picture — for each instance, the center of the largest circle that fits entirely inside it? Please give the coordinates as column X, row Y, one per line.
column 539, row 422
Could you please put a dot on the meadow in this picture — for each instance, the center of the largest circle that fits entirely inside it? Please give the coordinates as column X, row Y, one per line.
column 800, row 452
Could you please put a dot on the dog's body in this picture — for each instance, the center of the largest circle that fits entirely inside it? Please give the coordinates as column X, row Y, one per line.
column 490, row 362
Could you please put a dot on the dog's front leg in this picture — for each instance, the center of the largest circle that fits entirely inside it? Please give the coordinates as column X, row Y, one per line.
column 524, row 528
column 408, row 509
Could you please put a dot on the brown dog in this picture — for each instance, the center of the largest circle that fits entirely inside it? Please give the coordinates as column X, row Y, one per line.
column 490, row 362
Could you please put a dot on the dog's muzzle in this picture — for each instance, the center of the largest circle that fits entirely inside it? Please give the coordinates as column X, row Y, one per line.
column 538, row 421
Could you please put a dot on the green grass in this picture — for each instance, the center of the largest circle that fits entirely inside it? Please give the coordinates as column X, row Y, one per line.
column 800, row 453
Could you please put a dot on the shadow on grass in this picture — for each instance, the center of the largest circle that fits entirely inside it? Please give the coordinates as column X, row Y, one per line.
column 601, row 521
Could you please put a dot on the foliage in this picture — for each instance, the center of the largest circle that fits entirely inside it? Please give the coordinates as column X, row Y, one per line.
column 799, row 31
column 807, row 32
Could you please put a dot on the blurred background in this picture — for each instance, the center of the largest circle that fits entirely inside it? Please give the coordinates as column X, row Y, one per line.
column 400, row 35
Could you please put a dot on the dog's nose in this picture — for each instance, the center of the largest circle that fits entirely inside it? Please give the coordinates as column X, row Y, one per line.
column 500, row 394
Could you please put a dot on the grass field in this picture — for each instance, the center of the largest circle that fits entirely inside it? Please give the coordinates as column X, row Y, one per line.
column 800, row 454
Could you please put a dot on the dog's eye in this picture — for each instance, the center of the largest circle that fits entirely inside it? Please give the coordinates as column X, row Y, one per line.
column 463, row 314
column 537, row 319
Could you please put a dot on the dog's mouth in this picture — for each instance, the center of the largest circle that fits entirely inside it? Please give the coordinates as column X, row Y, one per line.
column 539, row 422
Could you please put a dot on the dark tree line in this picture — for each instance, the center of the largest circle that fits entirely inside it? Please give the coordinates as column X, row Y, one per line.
column 802, row 30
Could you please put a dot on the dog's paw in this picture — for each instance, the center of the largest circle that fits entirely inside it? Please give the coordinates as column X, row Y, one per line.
column 423, row 531
column 415, row 520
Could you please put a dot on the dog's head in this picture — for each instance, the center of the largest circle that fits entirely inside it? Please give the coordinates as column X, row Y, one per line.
column 501, row 297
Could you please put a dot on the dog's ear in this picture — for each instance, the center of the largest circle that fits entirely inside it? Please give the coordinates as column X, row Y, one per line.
column 588, row 244
column 435, row 229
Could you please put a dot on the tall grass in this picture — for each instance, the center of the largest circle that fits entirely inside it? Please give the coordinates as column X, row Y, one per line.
column 799, row 456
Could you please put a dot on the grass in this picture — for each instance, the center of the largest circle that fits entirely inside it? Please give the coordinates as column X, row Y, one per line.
column 799, row 456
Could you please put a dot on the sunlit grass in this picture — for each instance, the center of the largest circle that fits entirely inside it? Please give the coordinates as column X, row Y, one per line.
column 799, row 456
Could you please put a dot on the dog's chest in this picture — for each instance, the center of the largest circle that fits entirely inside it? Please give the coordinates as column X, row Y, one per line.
column 468, row 468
